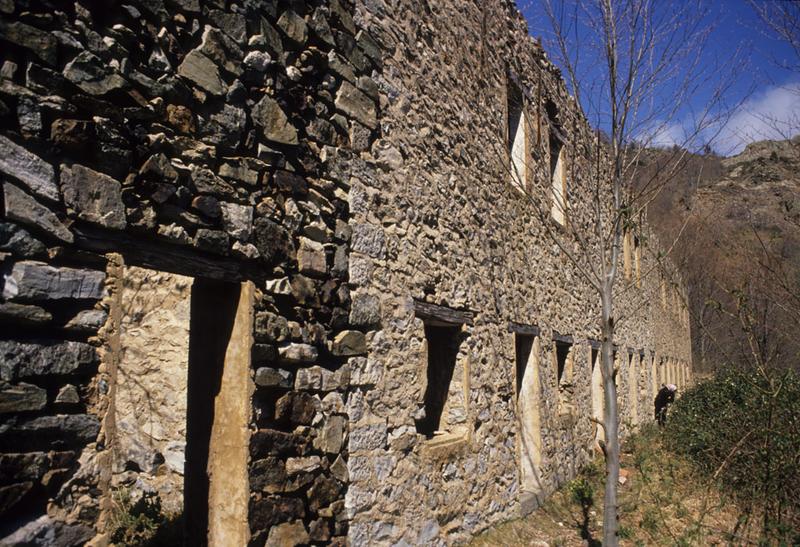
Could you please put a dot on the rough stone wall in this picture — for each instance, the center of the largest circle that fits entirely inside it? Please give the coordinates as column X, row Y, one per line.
column 439, row 221
column 206, row 138
column 348, row 159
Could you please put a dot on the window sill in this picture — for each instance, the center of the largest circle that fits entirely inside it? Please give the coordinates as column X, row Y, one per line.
column 445, row 445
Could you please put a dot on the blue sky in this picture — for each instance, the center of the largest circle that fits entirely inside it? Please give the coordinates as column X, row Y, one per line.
column 768, row 95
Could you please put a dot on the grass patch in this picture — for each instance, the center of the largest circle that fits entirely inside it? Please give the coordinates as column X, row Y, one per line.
column 665, row 501
column 138, row 520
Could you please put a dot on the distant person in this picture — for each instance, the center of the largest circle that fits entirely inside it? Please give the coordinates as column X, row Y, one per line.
column 665, row 397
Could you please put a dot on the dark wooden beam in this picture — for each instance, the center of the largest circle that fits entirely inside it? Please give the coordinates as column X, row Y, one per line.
column 157, row 255
column 442, row 315
column 595, row 344
column 565, row 338
column 521, row 328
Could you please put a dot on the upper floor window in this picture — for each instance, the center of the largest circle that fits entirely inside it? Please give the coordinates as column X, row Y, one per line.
column 517, row 137
column 558, row 171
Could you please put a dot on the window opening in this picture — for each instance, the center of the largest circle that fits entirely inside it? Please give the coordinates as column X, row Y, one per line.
column 517, row 137
column 523, row 344
column 562, row 354
column 443, row 345
column 527, row 350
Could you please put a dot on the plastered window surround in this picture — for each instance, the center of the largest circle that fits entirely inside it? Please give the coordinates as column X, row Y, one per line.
column 517, row 138
column 443, row 414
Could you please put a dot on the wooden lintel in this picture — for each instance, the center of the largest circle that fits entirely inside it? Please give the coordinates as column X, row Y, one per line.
column 157, row 255
column 442, row 315
column 521, row 328
column 565, row 338
column 631, row 351
column 595, row 344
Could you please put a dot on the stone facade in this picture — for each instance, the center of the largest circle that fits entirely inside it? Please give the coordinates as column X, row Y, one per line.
column 322, row 187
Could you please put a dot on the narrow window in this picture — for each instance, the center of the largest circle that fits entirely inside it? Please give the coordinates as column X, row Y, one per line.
column 527, row 349
column 522, row 345
column 443, row 344
column 564, row 370
column 517, row 145
column 562, row 354
column 637, row 258
column 558, row 176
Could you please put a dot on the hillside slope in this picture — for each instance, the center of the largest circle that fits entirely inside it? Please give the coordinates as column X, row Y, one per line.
column 740, row 251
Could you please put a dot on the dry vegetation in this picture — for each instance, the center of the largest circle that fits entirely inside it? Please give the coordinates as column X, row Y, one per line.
column 664, row 501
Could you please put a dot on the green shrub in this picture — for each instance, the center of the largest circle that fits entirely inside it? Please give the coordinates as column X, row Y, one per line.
column 742, row 428
column 141, row 522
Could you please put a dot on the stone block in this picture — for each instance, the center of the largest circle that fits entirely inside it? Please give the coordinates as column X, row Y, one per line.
column 68, row 394
column 222, row 50
column 95, row 197
column 311, row 257
column 368, row 437
column 37, row 281
column 245, row 170
column 307, row 464
column 87, row 321
column 365, row 310
column 29, row 169
column 50, row 431
column 356, row 104
column 267, row 511
column 320, row 379
column 294, row 27
column 42, row 44
column 46, row 531
column 237, row 220
column 296, row 408
column 21, row 397
column 271, row 240
column 286, row 181
column 23, row 314
column 323, row 492
column 19, row 242
column 298, row 353
column 202, row 71
column 271, row 442
column 21, row 207
column 369, row 239
column 22, row 360
column 349, row 342
column 330, row 438
column 93, row 75
column 270, row 327
column 273, row 121
column 365, row 371
column 267, row 474
column 225, row 127
column 272, row 377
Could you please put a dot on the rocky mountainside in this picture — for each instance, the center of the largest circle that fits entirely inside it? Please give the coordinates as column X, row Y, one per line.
column 740, row 250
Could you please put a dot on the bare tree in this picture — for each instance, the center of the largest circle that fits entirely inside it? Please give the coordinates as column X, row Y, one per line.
column 632, row 65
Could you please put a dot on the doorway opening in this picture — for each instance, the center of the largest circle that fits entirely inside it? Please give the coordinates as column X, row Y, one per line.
column 182, row 404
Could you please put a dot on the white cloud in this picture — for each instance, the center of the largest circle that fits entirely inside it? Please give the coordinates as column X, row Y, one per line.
column 770, row 114
column 665, row 135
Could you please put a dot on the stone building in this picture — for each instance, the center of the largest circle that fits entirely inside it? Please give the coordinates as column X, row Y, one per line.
column 275, row 264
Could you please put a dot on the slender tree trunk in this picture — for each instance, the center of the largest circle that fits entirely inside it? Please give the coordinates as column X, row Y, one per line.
column 610, row 519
